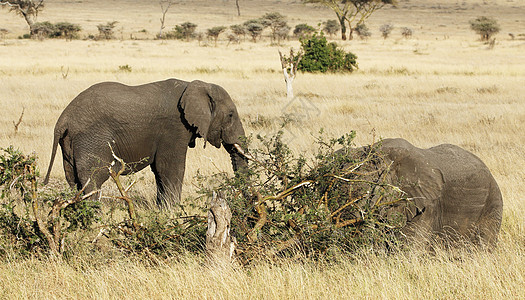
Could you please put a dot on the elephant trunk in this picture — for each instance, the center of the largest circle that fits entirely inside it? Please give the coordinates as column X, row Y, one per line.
column 239, row 161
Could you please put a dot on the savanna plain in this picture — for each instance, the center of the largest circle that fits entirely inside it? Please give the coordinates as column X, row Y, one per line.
column 442, row 85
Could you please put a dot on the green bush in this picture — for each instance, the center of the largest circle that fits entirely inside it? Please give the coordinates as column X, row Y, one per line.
column 284, row 205
column 65, row 30
column 362, row 31
column 303, row 30
column 386, row 29
column 32, row 222
column 290, row 206
column 106, row 30
column 321, row 56
column 60, row 221
column 331, row 27
column 43, row 29
column 184, row 31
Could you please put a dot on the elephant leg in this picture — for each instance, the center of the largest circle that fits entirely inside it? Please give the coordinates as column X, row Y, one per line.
column 68, row 163
column 92, row 170
column 71, row 176
column 169, row 173
column 489, row 223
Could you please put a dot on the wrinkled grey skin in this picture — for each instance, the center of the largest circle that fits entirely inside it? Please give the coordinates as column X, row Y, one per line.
column 147, row 125
column 454, row 194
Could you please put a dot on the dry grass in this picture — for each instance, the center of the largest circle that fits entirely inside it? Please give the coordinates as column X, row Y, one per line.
column 430, row 89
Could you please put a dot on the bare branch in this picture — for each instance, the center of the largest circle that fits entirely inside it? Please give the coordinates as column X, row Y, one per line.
column 19, row 121
column 123, row 191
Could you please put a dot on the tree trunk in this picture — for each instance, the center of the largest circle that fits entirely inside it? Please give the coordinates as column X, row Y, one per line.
column 220, row 246
column 29, row 22
column 289, row 81
column 238, row 8
column 342, row 20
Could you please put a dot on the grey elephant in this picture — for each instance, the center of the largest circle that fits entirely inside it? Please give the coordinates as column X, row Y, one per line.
column 453, row 192
column 146, row 125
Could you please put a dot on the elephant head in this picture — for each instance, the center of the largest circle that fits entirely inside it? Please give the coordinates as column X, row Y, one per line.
column 210, row 111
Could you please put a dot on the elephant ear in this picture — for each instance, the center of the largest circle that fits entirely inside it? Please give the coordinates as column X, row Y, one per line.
column 418, row 175
column 197, row 106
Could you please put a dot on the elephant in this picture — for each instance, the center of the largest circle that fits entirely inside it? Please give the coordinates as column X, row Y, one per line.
column 146, row 125
column 452, row 194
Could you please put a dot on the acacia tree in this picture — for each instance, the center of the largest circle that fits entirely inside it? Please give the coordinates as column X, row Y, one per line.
column 486, row 27
column 255, row 28
column 239, row 30
column 277, row 24
column 342, row 10
column 28, row 9
column 214, row 33
column 353, row 12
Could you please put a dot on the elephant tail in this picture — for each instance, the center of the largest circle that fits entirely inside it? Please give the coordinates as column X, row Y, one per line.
column 58, row 134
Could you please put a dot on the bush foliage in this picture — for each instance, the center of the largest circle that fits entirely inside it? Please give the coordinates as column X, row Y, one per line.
column 303, row 30
column 184, row 31
column 321, row 56
column 283, row 206
column 291, row 206
column 486, row 27
column 363, row 31
column 386, row 29
column 65, row 30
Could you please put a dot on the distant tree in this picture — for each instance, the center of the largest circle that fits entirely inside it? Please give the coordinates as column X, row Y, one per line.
column 282, row 33
column 352, row 11
column 342, row 9
column 486, row 27
column 331, row 27
column 407, row 32
column 28, row 9
column 232, row 38
column 214, row 32
column 303, row 30
column 3, row 33
column 42, row 30
column 386, row 29
column 362, row 31
column 67, row 30
column 239, row 30
column 277, row 24
column 185, row 31
column 255, row 28
column 106, row 30
column 164, row 7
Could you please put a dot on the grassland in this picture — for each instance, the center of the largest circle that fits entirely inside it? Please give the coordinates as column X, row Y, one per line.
column 441, row 86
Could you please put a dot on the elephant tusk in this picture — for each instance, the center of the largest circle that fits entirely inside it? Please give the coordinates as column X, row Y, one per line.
column 239, row 149
column 243, row 153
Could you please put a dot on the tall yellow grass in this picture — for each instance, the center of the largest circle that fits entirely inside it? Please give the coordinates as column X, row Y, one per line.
column 441, row 86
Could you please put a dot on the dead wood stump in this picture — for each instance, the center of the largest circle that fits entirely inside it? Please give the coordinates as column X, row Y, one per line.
column 220, row 245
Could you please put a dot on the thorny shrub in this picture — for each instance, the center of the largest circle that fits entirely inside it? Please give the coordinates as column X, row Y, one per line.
column 284, row 206
column 290, row 206
column 26, row 230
